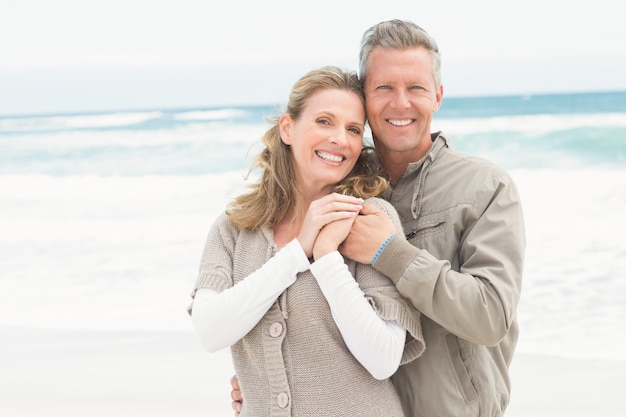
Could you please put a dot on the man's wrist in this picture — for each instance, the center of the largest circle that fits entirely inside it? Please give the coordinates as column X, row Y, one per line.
column 381, row 248
column 395, row 257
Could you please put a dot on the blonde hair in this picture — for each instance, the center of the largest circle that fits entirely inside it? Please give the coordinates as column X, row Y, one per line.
column 271, row 198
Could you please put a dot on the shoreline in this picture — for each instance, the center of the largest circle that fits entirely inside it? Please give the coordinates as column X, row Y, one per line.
column 78, row 372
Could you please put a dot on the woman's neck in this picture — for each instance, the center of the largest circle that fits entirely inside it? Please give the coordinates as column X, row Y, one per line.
column 288, row 228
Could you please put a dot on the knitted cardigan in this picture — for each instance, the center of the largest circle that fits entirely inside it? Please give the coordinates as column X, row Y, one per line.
column 294, row 362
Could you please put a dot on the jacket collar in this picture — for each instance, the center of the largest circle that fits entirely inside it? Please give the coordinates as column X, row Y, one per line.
column 419, row 169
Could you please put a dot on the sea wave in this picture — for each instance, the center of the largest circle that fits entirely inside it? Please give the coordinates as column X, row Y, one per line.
column 79, row 244
column 535, row 124
column 82, row 121
column 218, row 114
column 200, row 141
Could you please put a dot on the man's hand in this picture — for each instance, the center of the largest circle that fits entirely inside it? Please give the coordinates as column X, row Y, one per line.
column 235, row 394
column 370, row 229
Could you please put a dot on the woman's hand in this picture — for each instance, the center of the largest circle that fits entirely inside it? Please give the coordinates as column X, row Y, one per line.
column 323, row 211
column 331, row 236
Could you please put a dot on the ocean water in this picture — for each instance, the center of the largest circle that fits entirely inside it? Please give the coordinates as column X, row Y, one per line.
column 103, row 216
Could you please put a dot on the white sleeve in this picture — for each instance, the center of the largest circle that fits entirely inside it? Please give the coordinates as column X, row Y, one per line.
column 221, row 319
column 376, row 343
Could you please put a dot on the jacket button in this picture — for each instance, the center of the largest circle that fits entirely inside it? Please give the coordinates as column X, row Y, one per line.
column 283, row 400
column 276, row 329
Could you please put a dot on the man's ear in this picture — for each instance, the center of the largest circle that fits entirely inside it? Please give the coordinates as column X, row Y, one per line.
column 438, row 98
column 284, row 126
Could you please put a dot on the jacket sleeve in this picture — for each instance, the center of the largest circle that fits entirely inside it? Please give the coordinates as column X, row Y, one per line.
column 477, row 302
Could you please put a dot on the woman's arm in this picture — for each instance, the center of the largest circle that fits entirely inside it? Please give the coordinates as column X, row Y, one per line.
column 376, row 343
column 222, row 318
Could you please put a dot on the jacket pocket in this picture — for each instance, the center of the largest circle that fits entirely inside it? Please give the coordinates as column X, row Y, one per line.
column 424, row 226
column 462, row 375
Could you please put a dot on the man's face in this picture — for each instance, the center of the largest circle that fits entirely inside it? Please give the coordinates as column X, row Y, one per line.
column 401, row 97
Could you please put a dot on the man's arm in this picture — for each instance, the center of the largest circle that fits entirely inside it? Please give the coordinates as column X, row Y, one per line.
column 477, row 302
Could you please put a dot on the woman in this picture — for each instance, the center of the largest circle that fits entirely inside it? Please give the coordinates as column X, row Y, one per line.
column 301, row 320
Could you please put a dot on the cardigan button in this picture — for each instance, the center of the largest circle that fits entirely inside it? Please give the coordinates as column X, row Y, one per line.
column 283, row 400
column 276, row 329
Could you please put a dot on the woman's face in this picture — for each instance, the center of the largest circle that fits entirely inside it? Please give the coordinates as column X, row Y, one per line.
column 326, row 140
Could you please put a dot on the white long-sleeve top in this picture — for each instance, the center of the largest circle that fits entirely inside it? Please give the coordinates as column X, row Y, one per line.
column 222, row 318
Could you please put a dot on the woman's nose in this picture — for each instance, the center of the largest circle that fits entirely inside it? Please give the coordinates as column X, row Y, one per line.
column 339, row 137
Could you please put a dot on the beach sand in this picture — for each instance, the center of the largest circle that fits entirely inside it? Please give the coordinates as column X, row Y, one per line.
column 92, row 374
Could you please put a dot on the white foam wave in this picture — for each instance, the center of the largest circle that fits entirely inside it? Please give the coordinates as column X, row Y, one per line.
column 205, row 115
column 189, row 134
column 573, row 300
column 537, row 124
column 104, row 253
column 76, row 246
column 118, row 119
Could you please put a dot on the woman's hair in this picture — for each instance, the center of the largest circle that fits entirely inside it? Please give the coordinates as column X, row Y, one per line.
column 398, row 34
column 275, row 193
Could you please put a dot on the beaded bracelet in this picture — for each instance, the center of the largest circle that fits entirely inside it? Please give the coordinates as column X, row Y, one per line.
column 380, row 249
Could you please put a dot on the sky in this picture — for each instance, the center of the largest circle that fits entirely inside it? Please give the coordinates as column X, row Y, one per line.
column 69, row 56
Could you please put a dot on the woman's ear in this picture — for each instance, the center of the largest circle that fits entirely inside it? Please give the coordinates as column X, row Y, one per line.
column 284, row 126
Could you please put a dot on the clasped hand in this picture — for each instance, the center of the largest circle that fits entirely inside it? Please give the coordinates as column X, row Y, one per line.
column 327, row 223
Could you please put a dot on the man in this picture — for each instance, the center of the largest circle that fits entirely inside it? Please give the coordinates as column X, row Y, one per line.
column 460, row 258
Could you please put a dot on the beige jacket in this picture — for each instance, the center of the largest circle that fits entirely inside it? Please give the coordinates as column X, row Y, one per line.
column 461, row 266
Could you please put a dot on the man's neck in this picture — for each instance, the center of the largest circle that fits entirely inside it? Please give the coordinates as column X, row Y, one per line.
column 394, row 164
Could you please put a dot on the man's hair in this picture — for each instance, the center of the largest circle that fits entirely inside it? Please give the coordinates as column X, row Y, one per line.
column 398, row 34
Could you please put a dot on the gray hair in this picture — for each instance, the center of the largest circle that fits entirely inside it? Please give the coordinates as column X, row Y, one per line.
column 398, row 34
